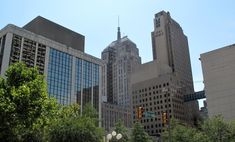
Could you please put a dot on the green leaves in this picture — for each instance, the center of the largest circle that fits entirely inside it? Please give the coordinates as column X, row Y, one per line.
column 121, row 129
column 70, row 126
column 139, row 135
column 27, row 114
column 211, row 130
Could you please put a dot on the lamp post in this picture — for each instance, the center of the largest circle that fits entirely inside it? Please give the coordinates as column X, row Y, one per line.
column 113, row 135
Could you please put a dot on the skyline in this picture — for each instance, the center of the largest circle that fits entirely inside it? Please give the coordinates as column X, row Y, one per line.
column 207, row 24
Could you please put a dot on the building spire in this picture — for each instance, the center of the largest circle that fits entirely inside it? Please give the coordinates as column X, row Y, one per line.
column 118, row 33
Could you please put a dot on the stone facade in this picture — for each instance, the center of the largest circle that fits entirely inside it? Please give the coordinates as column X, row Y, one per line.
column 219, row 76
column 157, row 91
column 121, row 57
column 170, row 47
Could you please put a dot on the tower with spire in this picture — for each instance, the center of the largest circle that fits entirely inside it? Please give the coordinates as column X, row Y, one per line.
column 121, row 56
column 119, row 32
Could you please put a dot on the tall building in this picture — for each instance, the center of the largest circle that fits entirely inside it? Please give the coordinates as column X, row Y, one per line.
column 157, row 91
column 121, row 56
column 170, row 46
column 160, row 85
column 72, row 75
column 218, row 68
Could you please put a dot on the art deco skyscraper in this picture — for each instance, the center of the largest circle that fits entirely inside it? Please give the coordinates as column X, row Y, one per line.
column 170, row 46
column 121, row 57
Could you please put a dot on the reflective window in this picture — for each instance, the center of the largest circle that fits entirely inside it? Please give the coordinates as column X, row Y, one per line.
column 60, row 76
column 87, row 82
column 78, row 79
column 96, row 86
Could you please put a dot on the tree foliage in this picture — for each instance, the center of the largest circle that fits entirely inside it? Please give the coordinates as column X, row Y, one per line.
column 28, row 114
column 23, row 101
column 70, row 126
column 211, row 130
column 139, row 135
column 121, row 129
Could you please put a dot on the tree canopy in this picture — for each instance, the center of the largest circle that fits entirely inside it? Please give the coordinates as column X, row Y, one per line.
column 210, row 130
column 28, row 114
column 139, row 135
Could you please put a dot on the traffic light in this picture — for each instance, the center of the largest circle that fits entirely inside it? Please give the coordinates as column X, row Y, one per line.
column 164, row 118
column 140, row 111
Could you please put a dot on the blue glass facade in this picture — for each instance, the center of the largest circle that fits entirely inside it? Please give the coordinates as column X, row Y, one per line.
column 78, row 80
column 87, row 82
column 60, row 76
column 82, row 79
column 96, row 86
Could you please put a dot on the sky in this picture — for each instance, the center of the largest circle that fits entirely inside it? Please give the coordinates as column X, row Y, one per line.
column 208, row 24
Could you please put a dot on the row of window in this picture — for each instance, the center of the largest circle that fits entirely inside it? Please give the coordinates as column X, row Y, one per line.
column 29, row 52
column 55, row 81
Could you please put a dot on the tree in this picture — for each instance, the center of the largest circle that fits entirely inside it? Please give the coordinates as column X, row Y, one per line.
column 183, row 133
column 217, row 129
column 232, row 130
column 211, row 130
column 139, row 135
column 70, row 126
column 121, row 129
column 23, row 102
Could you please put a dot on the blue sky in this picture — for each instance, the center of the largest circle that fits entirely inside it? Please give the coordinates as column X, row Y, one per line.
column 208, row 24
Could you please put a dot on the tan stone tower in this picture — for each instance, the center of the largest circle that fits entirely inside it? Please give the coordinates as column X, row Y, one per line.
column 170, row 46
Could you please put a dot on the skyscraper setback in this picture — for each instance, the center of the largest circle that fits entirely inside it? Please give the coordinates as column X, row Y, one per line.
column 159, row 86
column 170, row 46
column 121, row 57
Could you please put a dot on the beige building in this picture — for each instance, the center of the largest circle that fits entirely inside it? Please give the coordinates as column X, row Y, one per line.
column 170, row 47
column 159, row 86
column 157, row 90
column 219, row 76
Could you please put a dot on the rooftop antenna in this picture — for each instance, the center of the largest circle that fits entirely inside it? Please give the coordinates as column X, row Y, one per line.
column 118, row 33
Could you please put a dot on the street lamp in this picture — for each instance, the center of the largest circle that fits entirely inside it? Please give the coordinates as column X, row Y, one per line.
column 115, row 135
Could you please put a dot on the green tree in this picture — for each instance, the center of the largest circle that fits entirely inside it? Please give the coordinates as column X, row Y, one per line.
column 70, row 126
column 23, row 100
column 139, row 135
column 232, row 130
column 183, row 133
column 121, row 129
column 217, row 129
column 211, row 130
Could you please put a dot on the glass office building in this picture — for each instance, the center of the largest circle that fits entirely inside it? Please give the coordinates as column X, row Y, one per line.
column 72, row 75
column 60, row 79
